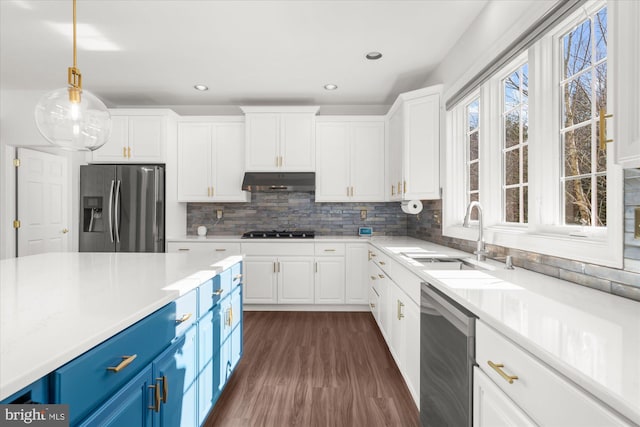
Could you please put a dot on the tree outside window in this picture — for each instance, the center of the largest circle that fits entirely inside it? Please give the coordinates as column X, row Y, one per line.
column 473, row 159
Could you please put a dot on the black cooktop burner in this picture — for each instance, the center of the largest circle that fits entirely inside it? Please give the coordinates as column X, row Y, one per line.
column 276, row 234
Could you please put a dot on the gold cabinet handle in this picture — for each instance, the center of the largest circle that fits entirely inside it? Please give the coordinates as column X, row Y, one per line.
column 217, row 292
column 184, row 318
column 399, row 188
column 381, row 276
column 129, row 152
column 184, row 249
column 372, row 305
column 124, row 152
column 237, row 277
column 65, row 230
column 329, row 250
column 405, row 187
column 220, row 249
column 374, row 278
column 156, row 398
column 400, row 313
column 382, row 263
column 165, row 388
column 393, row 190
column 126, row 360
column 498, row 368
column 603, row 129
column 213, row 191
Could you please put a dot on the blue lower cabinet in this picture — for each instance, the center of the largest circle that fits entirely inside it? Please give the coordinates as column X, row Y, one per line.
column 130, row 406
column 37, row 392
column 236, row 333
column 208, row 340
column 174, row 372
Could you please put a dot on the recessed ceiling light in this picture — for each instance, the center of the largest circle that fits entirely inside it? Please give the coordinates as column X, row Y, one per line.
column 330, row 86
column 201, row 88
column 373, row 56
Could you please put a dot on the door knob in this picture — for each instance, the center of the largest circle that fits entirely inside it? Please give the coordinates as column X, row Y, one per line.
column 65, row 230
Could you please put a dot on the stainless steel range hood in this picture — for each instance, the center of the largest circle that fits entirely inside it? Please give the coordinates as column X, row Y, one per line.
column 279, row 181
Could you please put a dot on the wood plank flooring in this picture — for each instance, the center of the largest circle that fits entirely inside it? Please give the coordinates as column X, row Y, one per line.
column 314, row 369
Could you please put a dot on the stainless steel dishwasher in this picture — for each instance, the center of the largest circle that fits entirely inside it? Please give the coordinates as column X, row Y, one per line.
column 447, row 356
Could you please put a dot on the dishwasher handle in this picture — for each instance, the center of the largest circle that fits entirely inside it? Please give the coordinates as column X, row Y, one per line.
column 432, row 299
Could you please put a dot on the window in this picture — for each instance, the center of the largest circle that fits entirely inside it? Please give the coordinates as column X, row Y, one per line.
column 546, row 185
column 472, row 143
column 583, row 89
column 515, row 149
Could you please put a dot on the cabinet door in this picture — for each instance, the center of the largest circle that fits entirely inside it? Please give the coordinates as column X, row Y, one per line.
column 115, row 148
column 357, row 277
column 411, row 332
column 129, row 406
column 492, row 407
column 295, row 280
column 374, row 304
column 194, row 162
column 262, row 142
column 332, row 168
column 297, row 142
column 236, row 333
column 421, row 154
column 330, row 280
column 208, row 343
column 260, row 280
column 175, row 372
column 394, row 181
column 397, row 335
column 384, row 289
column 228, row 163
column 367, row 162
column 147, row 138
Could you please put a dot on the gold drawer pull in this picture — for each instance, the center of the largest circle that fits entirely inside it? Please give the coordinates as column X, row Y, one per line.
column 165, row 388
column 220, row 249
column 329, row 250
column 373, row 254
column 381, row 276
column 156, row 398
column 126, row 360
column 372, row 305
column 217, row 292
column 374, row 278
column 382, row 263
column 238, row 277
column 184, row 318
column 183, row 249
column 497, row 367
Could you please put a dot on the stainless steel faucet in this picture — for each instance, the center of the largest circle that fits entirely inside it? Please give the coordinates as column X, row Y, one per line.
column 481, row 253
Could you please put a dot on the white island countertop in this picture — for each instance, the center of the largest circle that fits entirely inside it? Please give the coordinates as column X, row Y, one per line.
column 56, row 306
column 589, row 336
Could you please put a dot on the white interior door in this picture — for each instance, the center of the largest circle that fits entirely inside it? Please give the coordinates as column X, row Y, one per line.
column 43, row 203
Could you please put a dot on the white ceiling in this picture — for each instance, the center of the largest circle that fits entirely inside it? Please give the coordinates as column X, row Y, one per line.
column 247, row 52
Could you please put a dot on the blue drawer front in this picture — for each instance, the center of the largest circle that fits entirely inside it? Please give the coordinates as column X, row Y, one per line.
column 85, row 382
column 209, row 295
column 225, row 283
column 186, row 312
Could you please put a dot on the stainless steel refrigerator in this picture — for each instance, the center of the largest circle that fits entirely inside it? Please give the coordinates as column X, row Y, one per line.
column 122, row 208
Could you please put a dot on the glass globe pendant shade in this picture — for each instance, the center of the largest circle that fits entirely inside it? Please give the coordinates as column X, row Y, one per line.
column 73, row 119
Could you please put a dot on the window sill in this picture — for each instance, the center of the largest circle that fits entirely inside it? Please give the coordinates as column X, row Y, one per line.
column 597, row 249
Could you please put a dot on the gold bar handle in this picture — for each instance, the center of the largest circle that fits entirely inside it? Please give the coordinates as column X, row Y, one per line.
column 372, row 305
column 237, row 277
column 156, row 405
column 329, row 250
column 217, row 292
column 383, row 263
column 126, row 360
column 498, row 368
column 400, row 313
column 124, row 152
column 165, row 387
column 183, row 249
column 213, row 191
column 374, row 278
column 381, row 276
column 220, row 249
column 184, row 318
column 405, row 187
column 603, row 129
column 129, row 152
column 373, row 254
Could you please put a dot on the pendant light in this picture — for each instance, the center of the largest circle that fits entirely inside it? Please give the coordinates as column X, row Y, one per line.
column 72, row 118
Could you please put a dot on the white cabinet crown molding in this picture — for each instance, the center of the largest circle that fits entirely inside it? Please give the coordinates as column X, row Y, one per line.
column 280, row 109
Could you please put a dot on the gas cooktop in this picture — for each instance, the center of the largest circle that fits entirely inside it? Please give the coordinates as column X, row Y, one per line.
column 276, row 234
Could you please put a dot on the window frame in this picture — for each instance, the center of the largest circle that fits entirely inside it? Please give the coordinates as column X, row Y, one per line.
column 543, row 233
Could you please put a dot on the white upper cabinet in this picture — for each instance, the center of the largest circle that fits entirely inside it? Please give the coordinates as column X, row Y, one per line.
column 280, row 139
column 350, row 159
column 414, row 145
column 211, row 160
column 623, row 79
column 138, row 136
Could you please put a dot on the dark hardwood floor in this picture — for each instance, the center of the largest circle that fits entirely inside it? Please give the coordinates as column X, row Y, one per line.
column 314, row 369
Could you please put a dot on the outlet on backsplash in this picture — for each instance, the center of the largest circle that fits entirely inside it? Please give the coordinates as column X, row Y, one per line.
column 636, row 224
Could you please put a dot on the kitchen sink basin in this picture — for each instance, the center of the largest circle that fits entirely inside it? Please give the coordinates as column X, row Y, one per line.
column 443, row 262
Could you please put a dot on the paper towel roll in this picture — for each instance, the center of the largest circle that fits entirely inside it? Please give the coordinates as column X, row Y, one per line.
column 411, row 206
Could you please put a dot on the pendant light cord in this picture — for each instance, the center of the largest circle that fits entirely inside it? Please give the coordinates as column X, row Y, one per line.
column 75, row 56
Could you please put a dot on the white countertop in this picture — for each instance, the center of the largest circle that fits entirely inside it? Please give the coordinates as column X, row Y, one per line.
column 56, row 306
column 591, row 337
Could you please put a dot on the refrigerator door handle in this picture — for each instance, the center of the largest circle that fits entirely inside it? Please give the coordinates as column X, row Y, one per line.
column 117, row 197
column 110, row 211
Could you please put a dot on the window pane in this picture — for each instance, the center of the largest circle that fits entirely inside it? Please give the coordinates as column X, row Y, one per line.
column 512, row 167
column 601, row 87
column 601, row 200
column 578, row 201
column 525, row 83
column 512, row 205
column 577, row 151
column 577, row 100
column 512, row 128
column 525, row 123
column 473, row 112
column 473, row 176
column 525, row 203
column 512, row 90
column 577, row 49
column 525, row 164
column 601, row 155
column 600, row 30
column 473, row 146
column 474, row 197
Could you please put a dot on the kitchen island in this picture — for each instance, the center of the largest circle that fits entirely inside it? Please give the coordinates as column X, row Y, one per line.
column 57, row 306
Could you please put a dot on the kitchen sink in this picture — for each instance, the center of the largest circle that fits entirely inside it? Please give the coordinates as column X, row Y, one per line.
column 446, row 263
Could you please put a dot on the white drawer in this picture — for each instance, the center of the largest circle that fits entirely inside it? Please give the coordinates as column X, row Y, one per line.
column 546, row 397
column 332, row 249
column 278, row 248
column 200, row 247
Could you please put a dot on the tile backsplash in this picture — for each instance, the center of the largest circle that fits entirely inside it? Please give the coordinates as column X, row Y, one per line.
column 279, row 211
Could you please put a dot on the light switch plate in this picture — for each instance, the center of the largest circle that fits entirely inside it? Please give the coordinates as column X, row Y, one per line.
column 636, row 224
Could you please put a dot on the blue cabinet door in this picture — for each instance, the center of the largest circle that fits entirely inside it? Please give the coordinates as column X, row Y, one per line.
column 130, row 406
column 236, row 333
column 208, row 345
column 174, row 371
